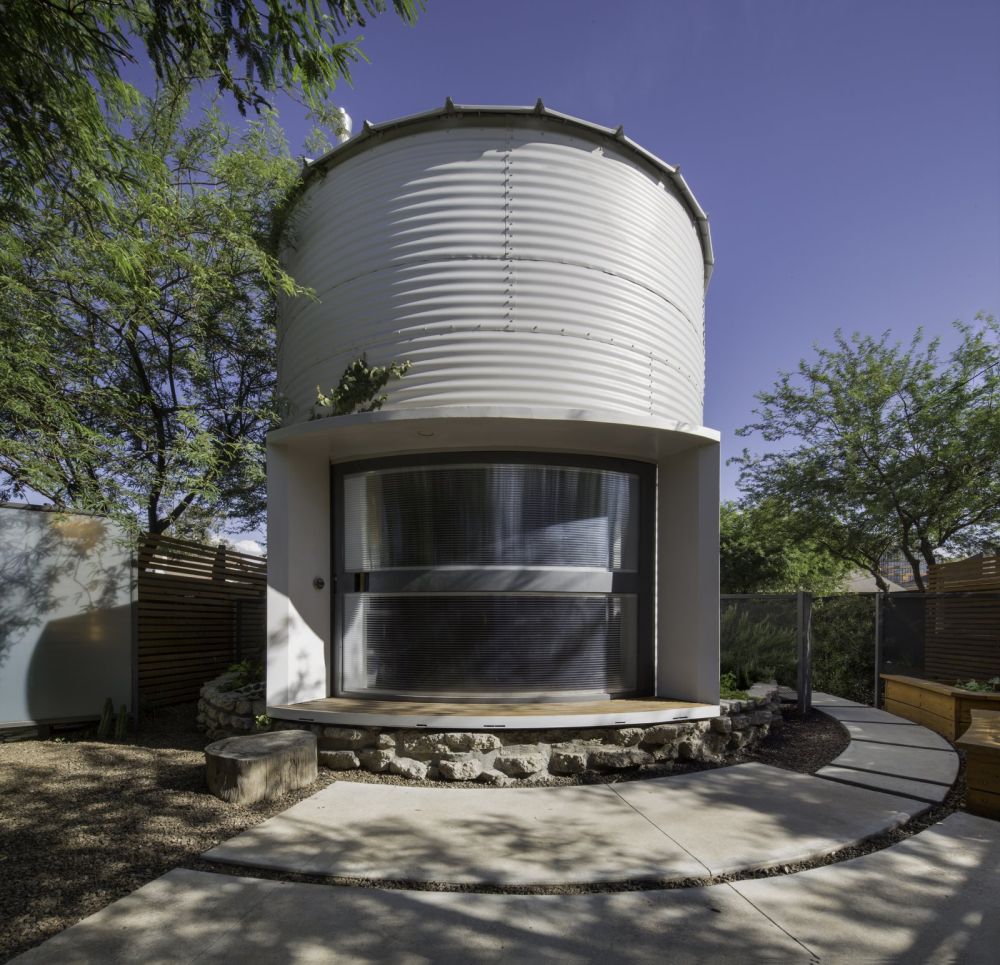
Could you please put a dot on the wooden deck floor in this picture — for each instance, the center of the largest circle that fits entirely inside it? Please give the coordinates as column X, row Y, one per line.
column 409, row 713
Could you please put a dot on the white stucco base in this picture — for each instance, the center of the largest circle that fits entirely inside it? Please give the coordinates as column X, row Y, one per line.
column 299, row 526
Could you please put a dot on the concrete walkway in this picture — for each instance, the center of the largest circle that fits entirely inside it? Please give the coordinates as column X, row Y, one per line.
column 931, row 898
column 671, row 828
column 889, row 753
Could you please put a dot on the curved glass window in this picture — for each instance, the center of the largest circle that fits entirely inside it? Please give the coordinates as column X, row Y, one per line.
column 489, row 579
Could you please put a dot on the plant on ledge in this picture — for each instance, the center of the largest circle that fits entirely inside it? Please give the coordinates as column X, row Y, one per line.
column 991, row 686
column 358, row 389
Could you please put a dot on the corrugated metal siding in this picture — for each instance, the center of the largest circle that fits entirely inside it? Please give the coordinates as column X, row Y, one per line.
column 512, row 267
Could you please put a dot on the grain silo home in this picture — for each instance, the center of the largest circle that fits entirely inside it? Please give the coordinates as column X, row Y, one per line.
column 526, row 533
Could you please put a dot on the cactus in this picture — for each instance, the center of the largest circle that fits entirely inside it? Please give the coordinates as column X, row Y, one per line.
column 121, row 726
column 104, row 727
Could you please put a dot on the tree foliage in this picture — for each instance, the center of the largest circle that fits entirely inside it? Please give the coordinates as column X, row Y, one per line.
column 891, row 447
column 760, row 552
column 63, row 96
column 137, row 359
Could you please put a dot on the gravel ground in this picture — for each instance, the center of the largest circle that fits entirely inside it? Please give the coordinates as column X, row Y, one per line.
column 85, row 822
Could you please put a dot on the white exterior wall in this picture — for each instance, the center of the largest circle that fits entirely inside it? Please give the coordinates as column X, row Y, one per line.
column 66, row 616
column 298, row 552
column 687, row 508
column 517, row 265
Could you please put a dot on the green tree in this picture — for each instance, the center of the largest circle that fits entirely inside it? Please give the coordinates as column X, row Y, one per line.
column 137, row 358
column 63, row 99
column 891, row 446
column 761, row 552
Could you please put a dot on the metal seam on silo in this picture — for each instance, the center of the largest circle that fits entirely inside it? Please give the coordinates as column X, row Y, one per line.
column 697, row 329
column 508, row 230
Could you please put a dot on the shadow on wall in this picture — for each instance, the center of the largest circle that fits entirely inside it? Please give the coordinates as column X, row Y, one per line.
column 65, row 615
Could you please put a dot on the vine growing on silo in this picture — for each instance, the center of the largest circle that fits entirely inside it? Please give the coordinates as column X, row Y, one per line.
column 359, row 389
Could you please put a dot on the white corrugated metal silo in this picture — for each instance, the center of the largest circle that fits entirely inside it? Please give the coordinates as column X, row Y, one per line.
column 515, row 257
column 545, row 278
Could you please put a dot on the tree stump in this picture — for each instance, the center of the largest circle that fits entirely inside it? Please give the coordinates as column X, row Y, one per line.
column 243, row 770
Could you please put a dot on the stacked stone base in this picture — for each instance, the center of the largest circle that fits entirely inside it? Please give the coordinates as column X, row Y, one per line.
column 510, row 756
column 228, row 710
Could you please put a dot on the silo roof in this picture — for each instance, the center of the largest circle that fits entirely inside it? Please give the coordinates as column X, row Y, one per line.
column 461, row 113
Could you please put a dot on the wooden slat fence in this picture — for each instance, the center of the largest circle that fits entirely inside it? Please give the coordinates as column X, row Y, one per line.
column 963, row 620
column 200, row 609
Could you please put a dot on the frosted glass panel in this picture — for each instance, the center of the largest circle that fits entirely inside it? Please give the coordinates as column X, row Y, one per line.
column 491, row 515
column 503, row 644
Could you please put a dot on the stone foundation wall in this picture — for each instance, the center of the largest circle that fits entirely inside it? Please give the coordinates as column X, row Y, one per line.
column 225, row 710
column 504, row 757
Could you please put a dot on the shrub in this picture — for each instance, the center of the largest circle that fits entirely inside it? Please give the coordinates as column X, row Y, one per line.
column 246, row 672
column 991, row 686
column 843, row 647
column 756, row 647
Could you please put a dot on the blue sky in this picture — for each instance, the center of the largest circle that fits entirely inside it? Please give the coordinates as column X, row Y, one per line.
column 847, row 153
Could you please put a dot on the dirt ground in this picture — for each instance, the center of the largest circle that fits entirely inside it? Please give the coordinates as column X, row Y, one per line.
column 84, row 822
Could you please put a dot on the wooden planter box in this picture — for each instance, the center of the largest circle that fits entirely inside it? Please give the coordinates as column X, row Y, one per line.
column 947, row 710
column 981, row 743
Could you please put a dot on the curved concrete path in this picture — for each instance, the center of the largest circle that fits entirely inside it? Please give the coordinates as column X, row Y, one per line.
column 889, row 753
column 931, row 898
column 671, row 828
column 740, row 818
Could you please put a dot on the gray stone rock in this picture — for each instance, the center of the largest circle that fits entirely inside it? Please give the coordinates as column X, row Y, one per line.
column 687, row 750
column 472, row 742
column 258, row 707
column 376, row 761
column 339, row 760
column 740, row 721
column 408, row 768
column 386, row 742
column 241, row 723
column 494, row 778
column 415, row 742
column 626, row 736
column 464, row 770
column 346, row 738
column 568, row 761
column 722, row 725
column 618, row 758
column 225, row 703
column 736, row 740
column 662, row 734
column 519, row 763
column 760, row 717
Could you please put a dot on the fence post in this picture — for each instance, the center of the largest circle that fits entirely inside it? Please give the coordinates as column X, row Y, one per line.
column 878, row 644
column 239, row 631
column 804, row 676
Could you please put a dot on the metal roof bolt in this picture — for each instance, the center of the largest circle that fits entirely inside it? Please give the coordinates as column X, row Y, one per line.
column 539, row 106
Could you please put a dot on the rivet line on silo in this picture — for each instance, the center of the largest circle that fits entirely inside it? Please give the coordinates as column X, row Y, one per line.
column 508, row 264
